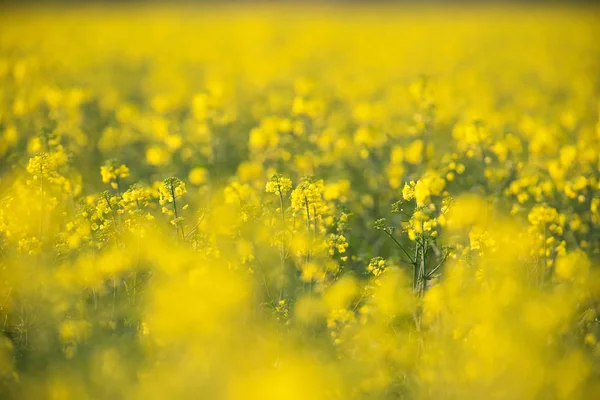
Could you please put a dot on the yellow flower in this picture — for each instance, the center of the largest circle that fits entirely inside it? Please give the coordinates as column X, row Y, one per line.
column 197, row 176
column 422, row 192
column 414, row 152
column 171, row 189
column 408, row 192
column 307, row 197
column 111, row 170
column 278, row 184
column 156, row 155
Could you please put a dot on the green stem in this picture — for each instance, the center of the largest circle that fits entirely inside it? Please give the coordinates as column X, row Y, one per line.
column 422, row 269
column 282, row 247
column 415, row 266
column 309, row 230
column 401, row 247
column 176, row 215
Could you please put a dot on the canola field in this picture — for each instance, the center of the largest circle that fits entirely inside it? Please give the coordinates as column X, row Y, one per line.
column 299, row 203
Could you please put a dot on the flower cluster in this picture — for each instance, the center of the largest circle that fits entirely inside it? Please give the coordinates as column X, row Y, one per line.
column 171, row 189
column 279, row 185
column 113, row 171
column 376, row 266
column 307, row 198
column 431, row 184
